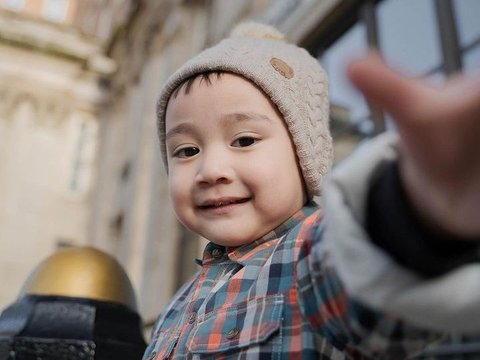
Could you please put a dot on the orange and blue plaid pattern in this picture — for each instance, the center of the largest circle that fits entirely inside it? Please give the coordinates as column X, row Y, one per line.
column 275, row 299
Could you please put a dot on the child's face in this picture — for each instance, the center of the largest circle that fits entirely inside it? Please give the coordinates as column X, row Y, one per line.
column 233, row 172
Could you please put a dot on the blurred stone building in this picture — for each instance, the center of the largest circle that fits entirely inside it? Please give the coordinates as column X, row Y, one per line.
column 52, row 66
column 119, row 197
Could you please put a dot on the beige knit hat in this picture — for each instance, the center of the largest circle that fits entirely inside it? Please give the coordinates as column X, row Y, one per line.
column 289, row 76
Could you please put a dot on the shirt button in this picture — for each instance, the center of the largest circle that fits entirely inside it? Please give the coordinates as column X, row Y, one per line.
column 232, row 333
column 217, row 253
column 192, row 318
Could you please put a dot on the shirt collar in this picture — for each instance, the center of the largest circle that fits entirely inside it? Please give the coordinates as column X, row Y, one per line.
column 260, row 248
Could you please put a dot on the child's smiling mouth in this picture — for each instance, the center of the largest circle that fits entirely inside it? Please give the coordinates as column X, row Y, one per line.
column 222, row 205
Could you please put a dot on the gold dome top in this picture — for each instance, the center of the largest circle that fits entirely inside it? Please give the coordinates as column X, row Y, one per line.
column 83, row 272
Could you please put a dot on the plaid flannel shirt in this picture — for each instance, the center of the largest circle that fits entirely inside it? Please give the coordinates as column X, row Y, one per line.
column 276, row 298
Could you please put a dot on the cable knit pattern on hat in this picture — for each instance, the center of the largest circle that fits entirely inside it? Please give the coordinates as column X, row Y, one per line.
column 288, row 75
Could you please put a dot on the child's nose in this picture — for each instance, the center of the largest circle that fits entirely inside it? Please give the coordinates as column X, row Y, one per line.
column 214, row 169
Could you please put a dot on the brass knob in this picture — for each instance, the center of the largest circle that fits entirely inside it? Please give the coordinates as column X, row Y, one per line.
column 83, row 272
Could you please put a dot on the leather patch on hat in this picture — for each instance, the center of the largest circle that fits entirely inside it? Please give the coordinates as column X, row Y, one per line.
column 282, row 68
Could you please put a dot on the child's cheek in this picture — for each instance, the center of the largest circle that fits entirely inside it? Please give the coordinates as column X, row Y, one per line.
column 175, row 190
column 180, row 194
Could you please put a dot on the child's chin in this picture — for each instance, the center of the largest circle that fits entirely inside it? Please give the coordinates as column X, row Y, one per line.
column 231, row 241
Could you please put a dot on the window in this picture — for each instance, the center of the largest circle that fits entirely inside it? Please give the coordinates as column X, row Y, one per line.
column 408, row 36
column 428, row 38
column 467, row 15
column 335, row 60
column 468, row 26
column 471, row 60
column 15, row 5
column 55, row 10
column 83, row 157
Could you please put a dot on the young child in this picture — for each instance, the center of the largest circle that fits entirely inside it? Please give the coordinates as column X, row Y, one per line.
column 244, row 136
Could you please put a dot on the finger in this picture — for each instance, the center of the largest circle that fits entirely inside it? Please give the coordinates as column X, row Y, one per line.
column 382, row 86
column 464, row 93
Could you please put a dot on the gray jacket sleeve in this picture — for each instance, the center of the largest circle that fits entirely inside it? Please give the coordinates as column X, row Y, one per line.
column 446, row 303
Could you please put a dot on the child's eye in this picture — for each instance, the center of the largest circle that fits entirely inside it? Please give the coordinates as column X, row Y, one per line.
column 244, row 141
column 186, row 152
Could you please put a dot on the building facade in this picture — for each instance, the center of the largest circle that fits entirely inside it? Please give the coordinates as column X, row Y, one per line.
column 50, row 94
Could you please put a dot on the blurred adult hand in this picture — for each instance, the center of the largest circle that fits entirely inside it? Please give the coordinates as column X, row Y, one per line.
column 439, row 130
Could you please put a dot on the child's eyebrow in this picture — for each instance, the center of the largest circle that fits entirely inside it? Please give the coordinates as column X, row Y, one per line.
column 228, row 119
column 183, row 128
column 242, row 116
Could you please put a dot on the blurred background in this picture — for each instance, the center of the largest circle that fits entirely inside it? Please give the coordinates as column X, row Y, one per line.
column 79, row 158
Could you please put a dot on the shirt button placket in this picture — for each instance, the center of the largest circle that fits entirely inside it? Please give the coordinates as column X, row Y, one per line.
column 217, row 254
column 232, row 333
column 192, row 318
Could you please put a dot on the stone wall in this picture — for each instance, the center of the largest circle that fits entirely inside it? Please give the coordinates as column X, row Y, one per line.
column 49, row 101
